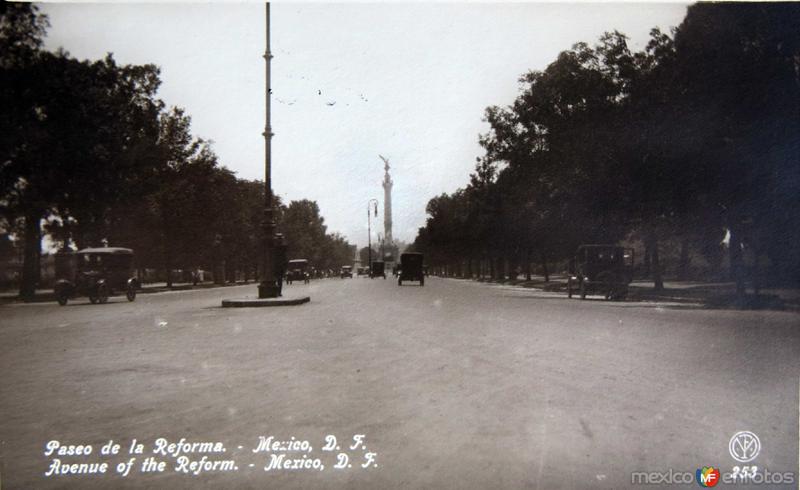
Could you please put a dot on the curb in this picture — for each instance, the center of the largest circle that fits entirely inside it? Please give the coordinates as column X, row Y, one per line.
column 264, row 302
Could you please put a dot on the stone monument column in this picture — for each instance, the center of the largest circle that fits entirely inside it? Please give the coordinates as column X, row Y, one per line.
column 387, row 206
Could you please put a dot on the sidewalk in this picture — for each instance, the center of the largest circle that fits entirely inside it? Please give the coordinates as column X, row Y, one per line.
column 47, row 295
column 710, row 295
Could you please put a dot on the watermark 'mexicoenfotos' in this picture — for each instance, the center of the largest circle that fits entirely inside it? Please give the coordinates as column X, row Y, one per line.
column 709, row 476
column 744, row 447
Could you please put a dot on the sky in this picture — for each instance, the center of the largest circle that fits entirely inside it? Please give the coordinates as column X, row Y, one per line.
column 409, row 81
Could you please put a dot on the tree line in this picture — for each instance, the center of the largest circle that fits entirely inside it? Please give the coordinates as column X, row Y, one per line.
column 689, row 147
column 90, row 156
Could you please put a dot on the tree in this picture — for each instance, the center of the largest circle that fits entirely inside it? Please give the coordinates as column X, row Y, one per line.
column 304, row 229
column 741, row 85
column 73, row 135
column 363, row 255
column 21, row 30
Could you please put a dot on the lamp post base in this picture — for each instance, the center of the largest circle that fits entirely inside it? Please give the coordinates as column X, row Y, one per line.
column 268, row 290
column 261, row 302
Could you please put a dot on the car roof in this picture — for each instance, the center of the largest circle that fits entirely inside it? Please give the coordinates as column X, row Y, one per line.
column 298, row 261
column 107, row 251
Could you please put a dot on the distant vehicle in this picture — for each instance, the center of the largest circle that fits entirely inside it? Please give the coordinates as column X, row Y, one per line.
column 347, row 271
column 96, row 273
column 377, row 269
column 411, row 268
column 298, row 270
column 601, row 269
column 363, row 271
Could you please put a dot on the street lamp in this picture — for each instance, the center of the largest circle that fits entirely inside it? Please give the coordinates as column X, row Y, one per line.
column 369, row 232
column 268, row 288
column 274, row 251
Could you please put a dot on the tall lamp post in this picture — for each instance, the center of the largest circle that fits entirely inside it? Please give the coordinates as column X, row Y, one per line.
column 369, row 232
column 268, row 288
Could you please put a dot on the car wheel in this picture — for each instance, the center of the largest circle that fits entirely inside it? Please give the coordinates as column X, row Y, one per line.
column 421, row 281
column 62, row 297
column 102, row 293
column 583, row 290
column 131, row 293
column 399, row 282
column 569, row 288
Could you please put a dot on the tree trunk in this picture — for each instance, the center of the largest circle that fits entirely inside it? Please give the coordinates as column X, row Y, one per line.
column 545, row 271
column 167, row 234
column 683, row 267
column 528, row 264
column 230, row 271
column 737, row 266
column 33, row 252
column 168, row 265
column 655, row 265
column 755, row 271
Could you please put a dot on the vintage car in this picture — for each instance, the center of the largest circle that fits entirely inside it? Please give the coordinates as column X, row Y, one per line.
column 411, row 268
column 96, row 273
column 601, row 269
column 298, row 270
column 378, row 269
column 347, row 271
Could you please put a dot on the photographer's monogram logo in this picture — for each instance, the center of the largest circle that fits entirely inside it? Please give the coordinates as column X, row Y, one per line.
column 744, row 446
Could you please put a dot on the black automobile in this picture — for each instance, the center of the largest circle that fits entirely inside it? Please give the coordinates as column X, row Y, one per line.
column 96, row 273
column 378, row 269
column 298, row 270
column 411, row 268
column 601, row 269
column 347, row 271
